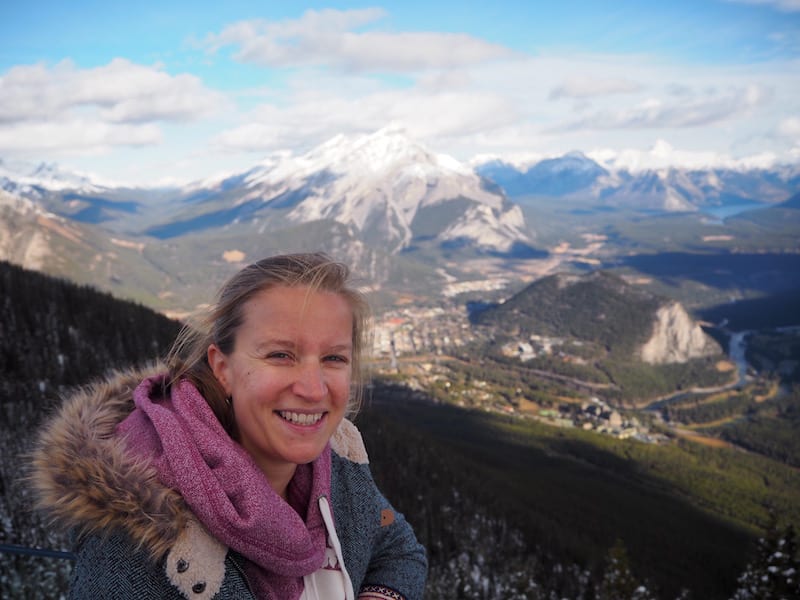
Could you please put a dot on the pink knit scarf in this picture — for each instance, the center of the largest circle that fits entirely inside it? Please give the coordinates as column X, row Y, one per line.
column 227, row 491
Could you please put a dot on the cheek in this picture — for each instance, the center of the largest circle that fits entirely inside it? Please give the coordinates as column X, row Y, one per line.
column 253, row 388
column 341, row 384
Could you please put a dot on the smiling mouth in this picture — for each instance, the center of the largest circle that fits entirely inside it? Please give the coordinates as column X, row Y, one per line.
column 300, row 418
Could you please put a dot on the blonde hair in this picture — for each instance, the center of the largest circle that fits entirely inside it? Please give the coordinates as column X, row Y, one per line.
column 188, row 357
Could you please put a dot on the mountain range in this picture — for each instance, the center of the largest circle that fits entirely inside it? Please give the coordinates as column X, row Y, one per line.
column 577, row 177
column 409, row 220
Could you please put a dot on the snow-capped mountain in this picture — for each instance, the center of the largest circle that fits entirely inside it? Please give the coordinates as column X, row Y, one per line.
column 575, row 176
column 392, row 189
column 409, row 220
column 364, row 199
column 671, row 191
column 76, row 197
column 552, row 177
column 29, row 179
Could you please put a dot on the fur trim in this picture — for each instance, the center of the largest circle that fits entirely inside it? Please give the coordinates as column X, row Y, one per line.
column 346, row 441
column 85, row 480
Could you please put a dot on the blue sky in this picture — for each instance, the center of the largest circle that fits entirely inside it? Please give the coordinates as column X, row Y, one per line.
column 154, row 92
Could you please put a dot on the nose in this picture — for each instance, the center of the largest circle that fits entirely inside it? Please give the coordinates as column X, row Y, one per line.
column 310, row 383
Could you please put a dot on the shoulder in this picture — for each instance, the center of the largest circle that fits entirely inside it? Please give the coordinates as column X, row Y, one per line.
column 111, row 565
column 353, row 489
column 379, row 547
column 87, row 482
column 197, row 567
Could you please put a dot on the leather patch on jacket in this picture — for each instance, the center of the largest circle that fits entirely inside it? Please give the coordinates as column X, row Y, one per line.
column 387, row 517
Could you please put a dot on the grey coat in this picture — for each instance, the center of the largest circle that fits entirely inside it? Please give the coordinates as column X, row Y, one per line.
column 135, row 538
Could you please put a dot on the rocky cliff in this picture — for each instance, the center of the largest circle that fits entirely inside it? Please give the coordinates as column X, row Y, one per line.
column 23, row 232
column 676, row 338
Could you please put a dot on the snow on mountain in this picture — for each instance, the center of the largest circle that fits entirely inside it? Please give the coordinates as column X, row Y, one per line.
column 667, row 190
column 383, row 183
column 670, row 189
column 26, row 178
column 479, row 223
column 551, row 176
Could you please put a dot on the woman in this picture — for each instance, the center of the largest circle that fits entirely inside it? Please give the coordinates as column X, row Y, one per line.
column 234, row 474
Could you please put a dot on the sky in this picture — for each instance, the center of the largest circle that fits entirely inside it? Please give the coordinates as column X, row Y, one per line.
column 155, row 93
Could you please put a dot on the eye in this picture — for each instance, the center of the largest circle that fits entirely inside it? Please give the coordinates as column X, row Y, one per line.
column 337, row 358
column 279, row 355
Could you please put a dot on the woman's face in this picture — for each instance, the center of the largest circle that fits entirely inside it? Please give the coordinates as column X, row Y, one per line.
column 288, row 375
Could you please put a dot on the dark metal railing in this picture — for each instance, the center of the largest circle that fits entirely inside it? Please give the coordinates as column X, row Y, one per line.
column 15, row 549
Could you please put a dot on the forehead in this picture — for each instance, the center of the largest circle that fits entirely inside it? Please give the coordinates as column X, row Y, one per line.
column 291, row 306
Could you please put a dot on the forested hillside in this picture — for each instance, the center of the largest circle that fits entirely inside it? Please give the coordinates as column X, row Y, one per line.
column 594, row 329
column 599, row 308
column 687, row 514
column 57, row 334
column 54, row 335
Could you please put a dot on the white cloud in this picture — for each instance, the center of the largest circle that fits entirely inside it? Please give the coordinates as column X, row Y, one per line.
column 790, row 128
column 662, row 155
column 506, row 108
column 75, row 136
column 675, row 112
column 347, row 72
column 310, row 117
column 329, row 37
column 588, row 87
column 63, row 107
column 122, row 91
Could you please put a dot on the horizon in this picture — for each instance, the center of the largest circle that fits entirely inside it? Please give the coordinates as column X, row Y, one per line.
column 175, row 93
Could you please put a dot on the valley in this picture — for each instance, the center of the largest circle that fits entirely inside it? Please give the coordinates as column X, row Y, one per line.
column 436, row 351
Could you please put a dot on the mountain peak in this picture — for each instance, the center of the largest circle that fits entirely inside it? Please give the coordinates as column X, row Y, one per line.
column 44, row 175
column 387, row 149
column 392, row 188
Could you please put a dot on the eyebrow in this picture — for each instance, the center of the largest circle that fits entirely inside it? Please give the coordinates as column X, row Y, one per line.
column 282, row 343
column 341, row 348
column 275, row 342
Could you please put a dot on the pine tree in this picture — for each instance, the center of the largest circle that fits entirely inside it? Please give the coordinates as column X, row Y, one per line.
column 774, row 573
column 618, row 582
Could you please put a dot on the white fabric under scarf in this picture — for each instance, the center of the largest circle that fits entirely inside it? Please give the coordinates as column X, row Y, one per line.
column 331, row 581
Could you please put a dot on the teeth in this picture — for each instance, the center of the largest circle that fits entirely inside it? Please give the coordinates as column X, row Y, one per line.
column 300, row 418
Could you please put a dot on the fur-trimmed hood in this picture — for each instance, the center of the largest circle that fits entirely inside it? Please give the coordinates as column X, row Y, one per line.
column 88, row 483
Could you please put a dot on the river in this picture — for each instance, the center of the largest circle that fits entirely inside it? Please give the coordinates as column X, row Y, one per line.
column 737, row 346
column 737, row 351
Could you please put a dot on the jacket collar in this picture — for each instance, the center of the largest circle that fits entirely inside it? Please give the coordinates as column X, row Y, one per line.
column 87, row 482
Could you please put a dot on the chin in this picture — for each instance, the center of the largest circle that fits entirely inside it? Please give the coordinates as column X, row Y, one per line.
column 302, row 458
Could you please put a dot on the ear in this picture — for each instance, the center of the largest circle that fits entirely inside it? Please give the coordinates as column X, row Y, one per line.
column 219, row 366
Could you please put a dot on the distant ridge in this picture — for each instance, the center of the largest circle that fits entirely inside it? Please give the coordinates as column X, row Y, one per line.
column 575, row 176
column 598, row 307
column 603, row 309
